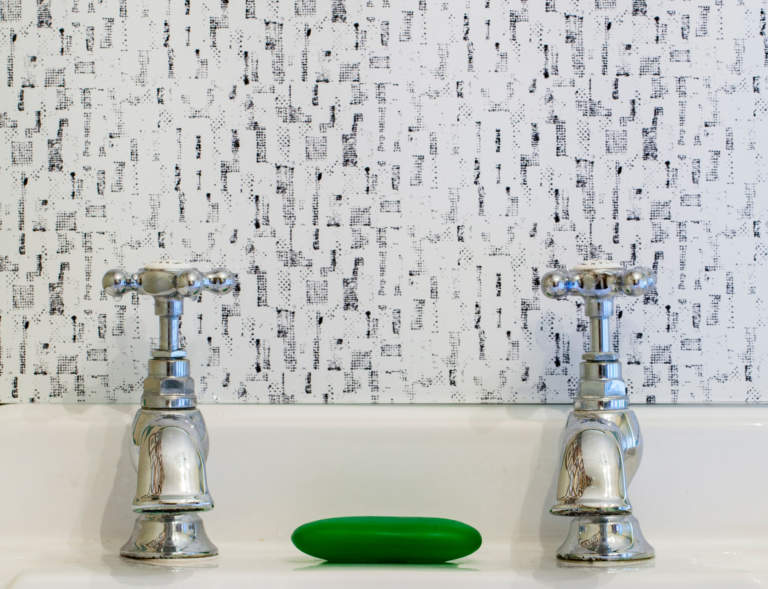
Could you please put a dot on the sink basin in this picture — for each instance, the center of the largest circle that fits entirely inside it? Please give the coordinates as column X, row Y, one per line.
column 275, row 565
column 698, row 495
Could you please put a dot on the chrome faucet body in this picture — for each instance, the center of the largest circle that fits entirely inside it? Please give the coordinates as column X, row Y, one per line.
column 169, row 432
column 602, row 445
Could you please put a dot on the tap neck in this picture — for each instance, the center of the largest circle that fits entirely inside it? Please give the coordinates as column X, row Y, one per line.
column 168, row 384
column 599, row 312
column 168, row 311
column 601, row 386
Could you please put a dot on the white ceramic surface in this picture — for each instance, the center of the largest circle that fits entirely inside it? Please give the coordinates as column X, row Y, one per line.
column 68, row 481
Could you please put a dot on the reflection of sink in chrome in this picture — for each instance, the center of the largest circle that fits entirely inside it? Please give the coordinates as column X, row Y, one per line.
column 69, row 509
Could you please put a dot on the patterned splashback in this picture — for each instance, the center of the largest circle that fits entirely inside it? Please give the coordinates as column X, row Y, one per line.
column 390, row 180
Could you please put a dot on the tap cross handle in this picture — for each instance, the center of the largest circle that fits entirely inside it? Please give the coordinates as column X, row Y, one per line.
column 597, row 282
column 168, row 281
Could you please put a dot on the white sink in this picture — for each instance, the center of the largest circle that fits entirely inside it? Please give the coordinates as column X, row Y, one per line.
column 68, row 482
column 275, row 565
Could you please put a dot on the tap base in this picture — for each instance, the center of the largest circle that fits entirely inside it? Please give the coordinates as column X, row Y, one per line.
column 169, row 535
column 605, row 538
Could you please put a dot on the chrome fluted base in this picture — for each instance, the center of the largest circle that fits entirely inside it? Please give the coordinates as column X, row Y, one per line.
column 605, row 538
column 169, row 535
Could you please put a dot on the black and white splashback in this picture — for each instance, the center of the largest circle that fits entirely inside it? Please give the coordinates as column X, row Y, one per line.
column 389, row 179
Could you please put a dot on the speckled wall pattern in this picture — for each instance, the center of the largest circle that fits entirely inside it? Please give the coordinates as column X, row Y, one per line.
column 389, row 180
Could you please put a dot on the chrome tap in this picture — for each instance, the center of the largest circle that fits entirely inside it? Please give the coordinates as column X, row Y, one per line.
column 602, row 446
column 168, row 429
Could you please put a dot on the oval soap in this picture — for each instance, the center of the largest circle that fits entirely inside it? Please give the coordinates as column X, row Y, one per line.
column 375, row 539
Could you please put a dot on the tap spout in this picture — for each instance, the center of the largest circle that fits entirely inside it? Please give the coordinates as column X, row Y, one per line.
column 171, row 488
column 173, row 447
column 600, row 454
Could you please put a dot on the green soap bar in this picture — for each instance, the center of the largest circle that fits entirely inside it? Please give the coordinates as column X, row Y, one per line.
column 371, row 539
